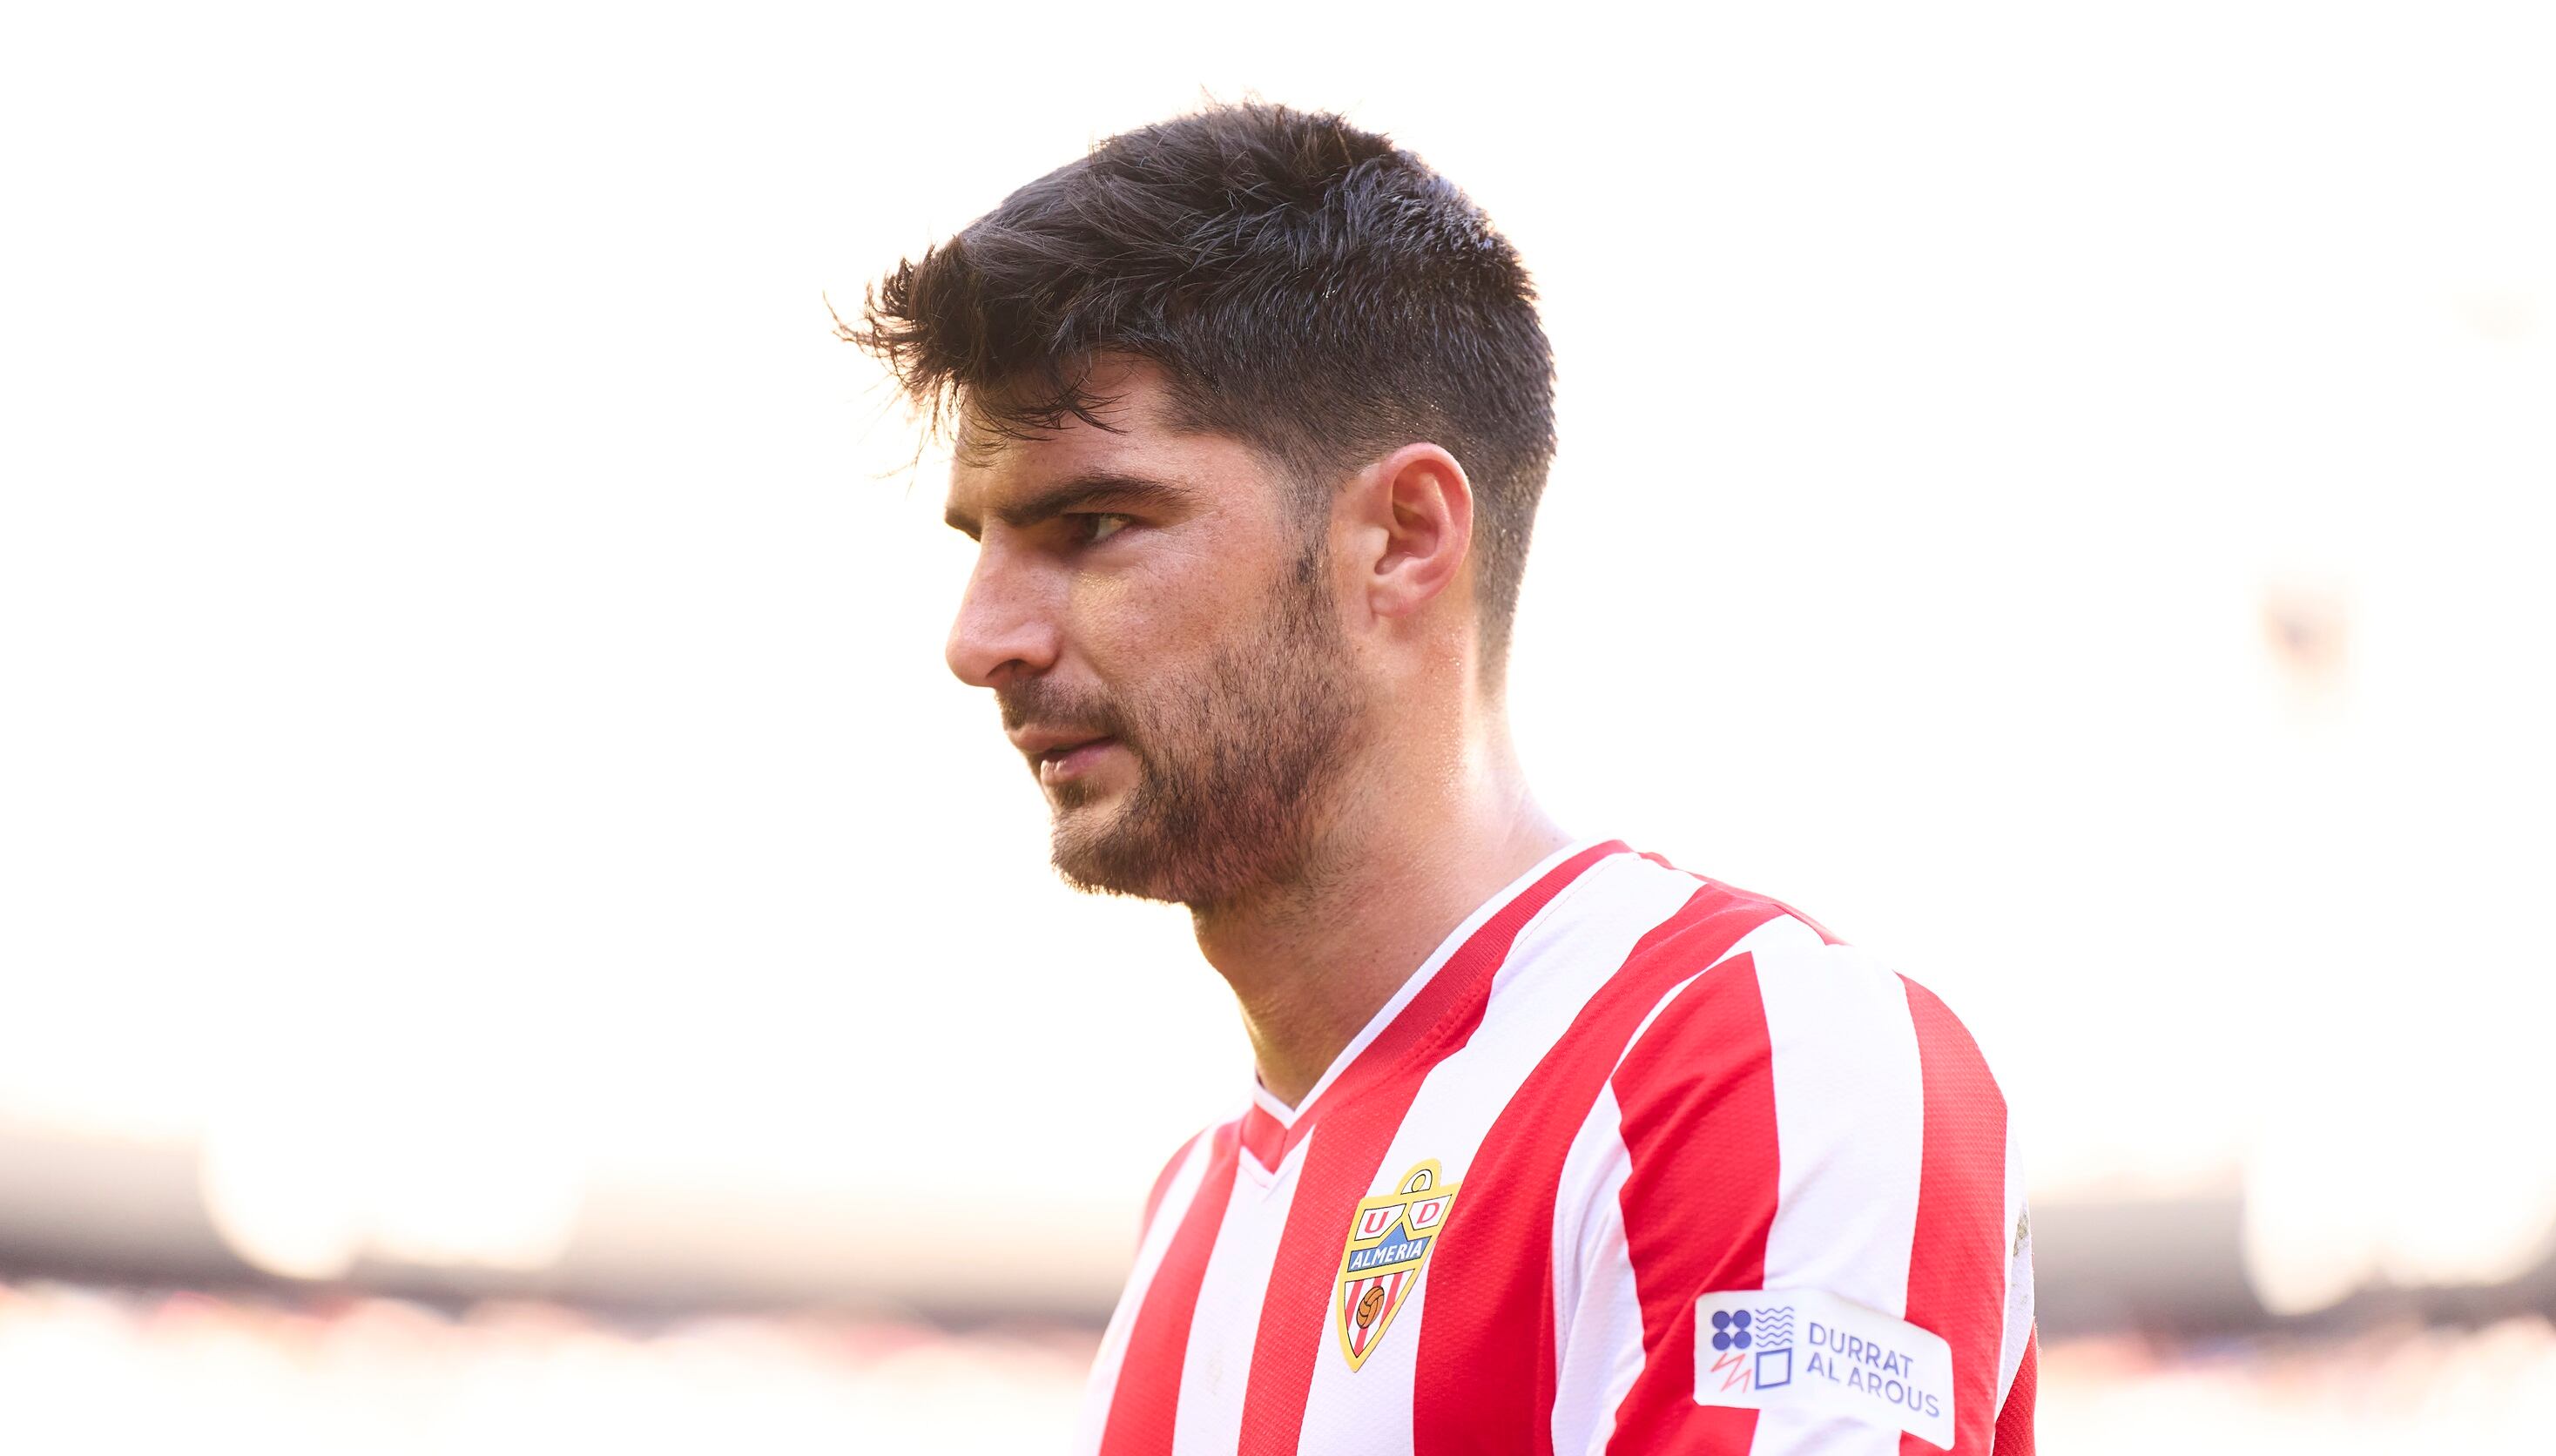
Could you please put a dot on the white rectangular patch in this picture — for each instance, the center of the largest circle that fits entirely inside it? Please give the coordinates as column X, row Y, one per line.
column 1809, row 1351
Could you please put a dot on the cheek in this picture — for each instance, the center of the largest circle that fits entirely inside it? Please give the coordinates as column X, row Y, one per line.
column 1157, row 620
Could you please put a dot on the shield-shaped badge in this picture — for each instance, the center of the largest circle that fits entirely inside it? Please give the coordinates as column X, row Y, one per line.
column 1390, row 1237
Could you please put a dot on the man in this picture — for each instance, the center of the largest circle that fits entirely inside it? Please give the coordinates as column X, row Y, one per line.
column 1552, row 1147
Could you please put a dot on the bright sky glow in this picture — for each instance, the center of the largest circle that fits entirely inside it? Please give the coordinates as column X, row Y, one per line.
column 469, row 655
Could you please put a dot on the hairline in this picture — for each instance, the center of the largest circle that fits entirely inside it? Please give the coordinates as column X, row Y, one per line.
column 1309, row 475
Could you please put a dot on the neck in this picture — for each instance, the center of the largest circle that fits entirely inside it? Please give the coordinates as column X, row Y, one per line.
column 1414, row 849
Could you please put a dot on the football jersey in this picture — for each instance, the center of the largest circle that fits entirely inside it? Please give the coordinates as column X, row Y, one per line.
column 1635, row 1162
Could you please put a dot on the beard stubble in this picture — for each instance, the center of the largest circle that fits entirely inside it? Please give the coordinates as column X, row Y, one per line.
column 1234, row 764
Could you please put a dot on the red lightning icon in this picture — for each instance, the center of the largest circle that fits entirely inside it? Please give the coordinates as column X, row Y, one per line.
column 1737, row 1365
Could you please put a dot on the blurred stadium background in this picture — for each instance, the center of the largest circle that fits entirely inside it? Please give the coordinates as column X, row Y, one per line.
column 508, row 938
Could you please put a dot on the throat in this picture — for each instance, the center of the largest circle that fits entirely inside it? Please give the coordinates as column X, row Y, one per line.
column 1308, row 978
column 1312, row 972
column 1412, row 852
column 1296, row 1034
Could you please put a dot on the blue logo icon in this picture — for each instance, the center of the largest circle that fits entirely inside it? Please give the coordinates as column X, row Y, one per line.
column 1774, row 1367
column 1772, row 1331
column 1731, row 1329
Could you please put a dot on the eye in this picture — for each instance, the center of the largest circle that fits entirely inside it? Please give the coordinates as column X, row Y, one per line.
column 1101, row 526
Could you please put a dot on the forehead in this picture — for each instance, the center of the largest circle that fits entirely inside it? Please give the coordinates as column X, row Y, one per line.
column 1147, row 439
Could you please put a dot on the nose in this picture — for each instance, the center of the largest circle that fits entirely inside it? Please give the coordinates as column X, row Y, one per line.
column 1007, row 625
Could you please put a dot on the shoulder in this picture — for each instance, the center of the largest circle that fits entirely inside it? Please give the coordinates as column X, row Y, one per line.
column 1743, row 978
column 1767, row 1038
column 1791, row 1113
column 1829, row 1101
column 1185, row 1168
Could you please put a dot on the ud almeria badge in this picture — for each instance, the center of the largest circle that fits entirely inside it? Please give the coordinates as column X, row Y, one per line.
column 1391, row 1237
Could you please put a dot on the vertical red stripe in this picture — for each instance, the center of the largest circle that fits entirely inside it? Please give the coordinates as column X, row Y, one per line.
column 1957, row 1264
column 1358, row 1116
column 1148, row 1396
column 2014, row 1418
column 1163, row 1183
column 1698, row 1094
column 1486, row 1378
column 1264, row 1137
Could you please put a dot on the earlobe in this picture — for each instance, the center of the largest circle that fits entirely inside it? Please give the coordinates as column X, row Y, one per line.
column 1424, row 507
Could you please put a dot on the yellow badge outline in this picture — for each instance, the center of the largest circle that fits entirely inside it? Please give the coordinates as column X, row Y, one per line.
column 1423, row 1179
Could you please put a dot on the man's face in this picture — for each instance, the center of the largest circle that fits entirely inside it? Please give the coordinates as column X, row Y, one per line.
column 1154, row 612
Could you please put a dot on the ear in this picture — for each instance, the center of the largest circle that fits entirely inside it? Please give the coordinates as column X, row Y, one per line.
column 1413, row 528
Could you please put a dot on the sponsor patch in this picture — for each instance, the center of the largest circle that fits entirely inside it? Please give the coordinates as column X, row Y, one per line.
column 1808, row 1350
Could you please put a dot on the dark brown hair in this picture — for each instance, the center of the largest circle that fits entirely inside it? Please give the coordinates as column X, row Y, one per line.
column 1308, row 288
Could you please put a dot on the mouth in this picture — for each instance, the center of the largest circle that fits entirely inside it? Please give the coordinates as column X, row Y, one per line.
column 1065, row 762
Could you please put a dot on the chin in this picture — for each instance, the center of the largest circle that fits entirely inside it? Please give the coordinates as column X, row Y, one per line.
column 1102, row 849
column 1095, row 870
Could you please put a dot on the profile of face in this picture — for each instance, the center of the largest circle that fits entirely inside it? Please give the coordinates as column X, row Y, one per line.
column 1153, row 609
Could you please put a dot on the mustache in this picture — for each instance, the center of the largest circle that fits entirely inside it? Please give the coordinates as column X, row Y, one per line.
column 1056, row 707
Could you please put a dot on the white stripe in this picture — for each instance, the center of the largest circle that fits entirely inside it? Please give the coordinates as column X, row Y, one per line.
column 1850, row 1134
column 1596, row 1311
column 2016, row 1308
column 2018, row 1283
column 1573, row 946
column 1598, row 1346
column 1216, row 1370
column 1429, row 968
column 1103, row 1384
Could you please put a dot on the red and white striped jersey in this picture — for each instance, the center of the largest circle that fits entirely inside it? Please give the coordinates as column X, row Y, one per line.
column 1636, row 1162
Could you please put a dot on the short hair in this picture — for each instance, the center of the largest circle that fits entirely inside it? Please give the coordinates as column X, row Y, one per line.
column 1307, row 286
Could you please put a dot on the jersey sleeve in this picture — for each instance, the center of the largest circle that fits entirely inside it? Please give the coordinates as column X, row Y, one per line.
column 1791, row 1226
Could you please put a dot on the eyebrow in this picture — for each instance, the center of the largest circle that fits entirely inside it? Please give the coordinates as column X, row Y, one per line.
column 1101, row 487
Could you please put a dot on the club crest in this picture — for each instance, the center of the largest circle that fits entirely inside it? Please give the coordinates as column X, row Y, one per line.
column 1391, row 1237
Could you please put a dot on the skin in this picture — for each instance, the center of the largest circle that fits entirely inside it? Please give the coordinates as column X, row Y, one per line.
column 1126, row 581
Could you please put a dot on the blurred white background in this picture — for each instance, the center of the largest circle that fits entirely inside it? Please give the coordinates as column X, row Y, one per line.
column 2063, row 496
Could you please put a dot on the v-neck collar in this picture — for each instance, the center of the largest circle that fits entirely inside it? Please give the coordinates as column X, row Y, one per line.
column 1271, row 1130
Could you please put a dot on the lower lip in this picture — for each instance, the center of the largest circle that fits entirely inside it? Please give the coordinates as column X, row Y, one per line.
column 1073, row 764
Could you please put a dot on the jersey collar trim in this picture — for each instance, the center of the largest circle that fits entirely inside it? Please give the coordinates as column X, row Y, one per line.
column 1271, row 1129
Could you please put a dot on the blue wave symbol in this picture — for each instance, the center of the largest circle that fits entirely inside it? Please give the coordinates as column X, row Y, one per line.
column 1774, row 1327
